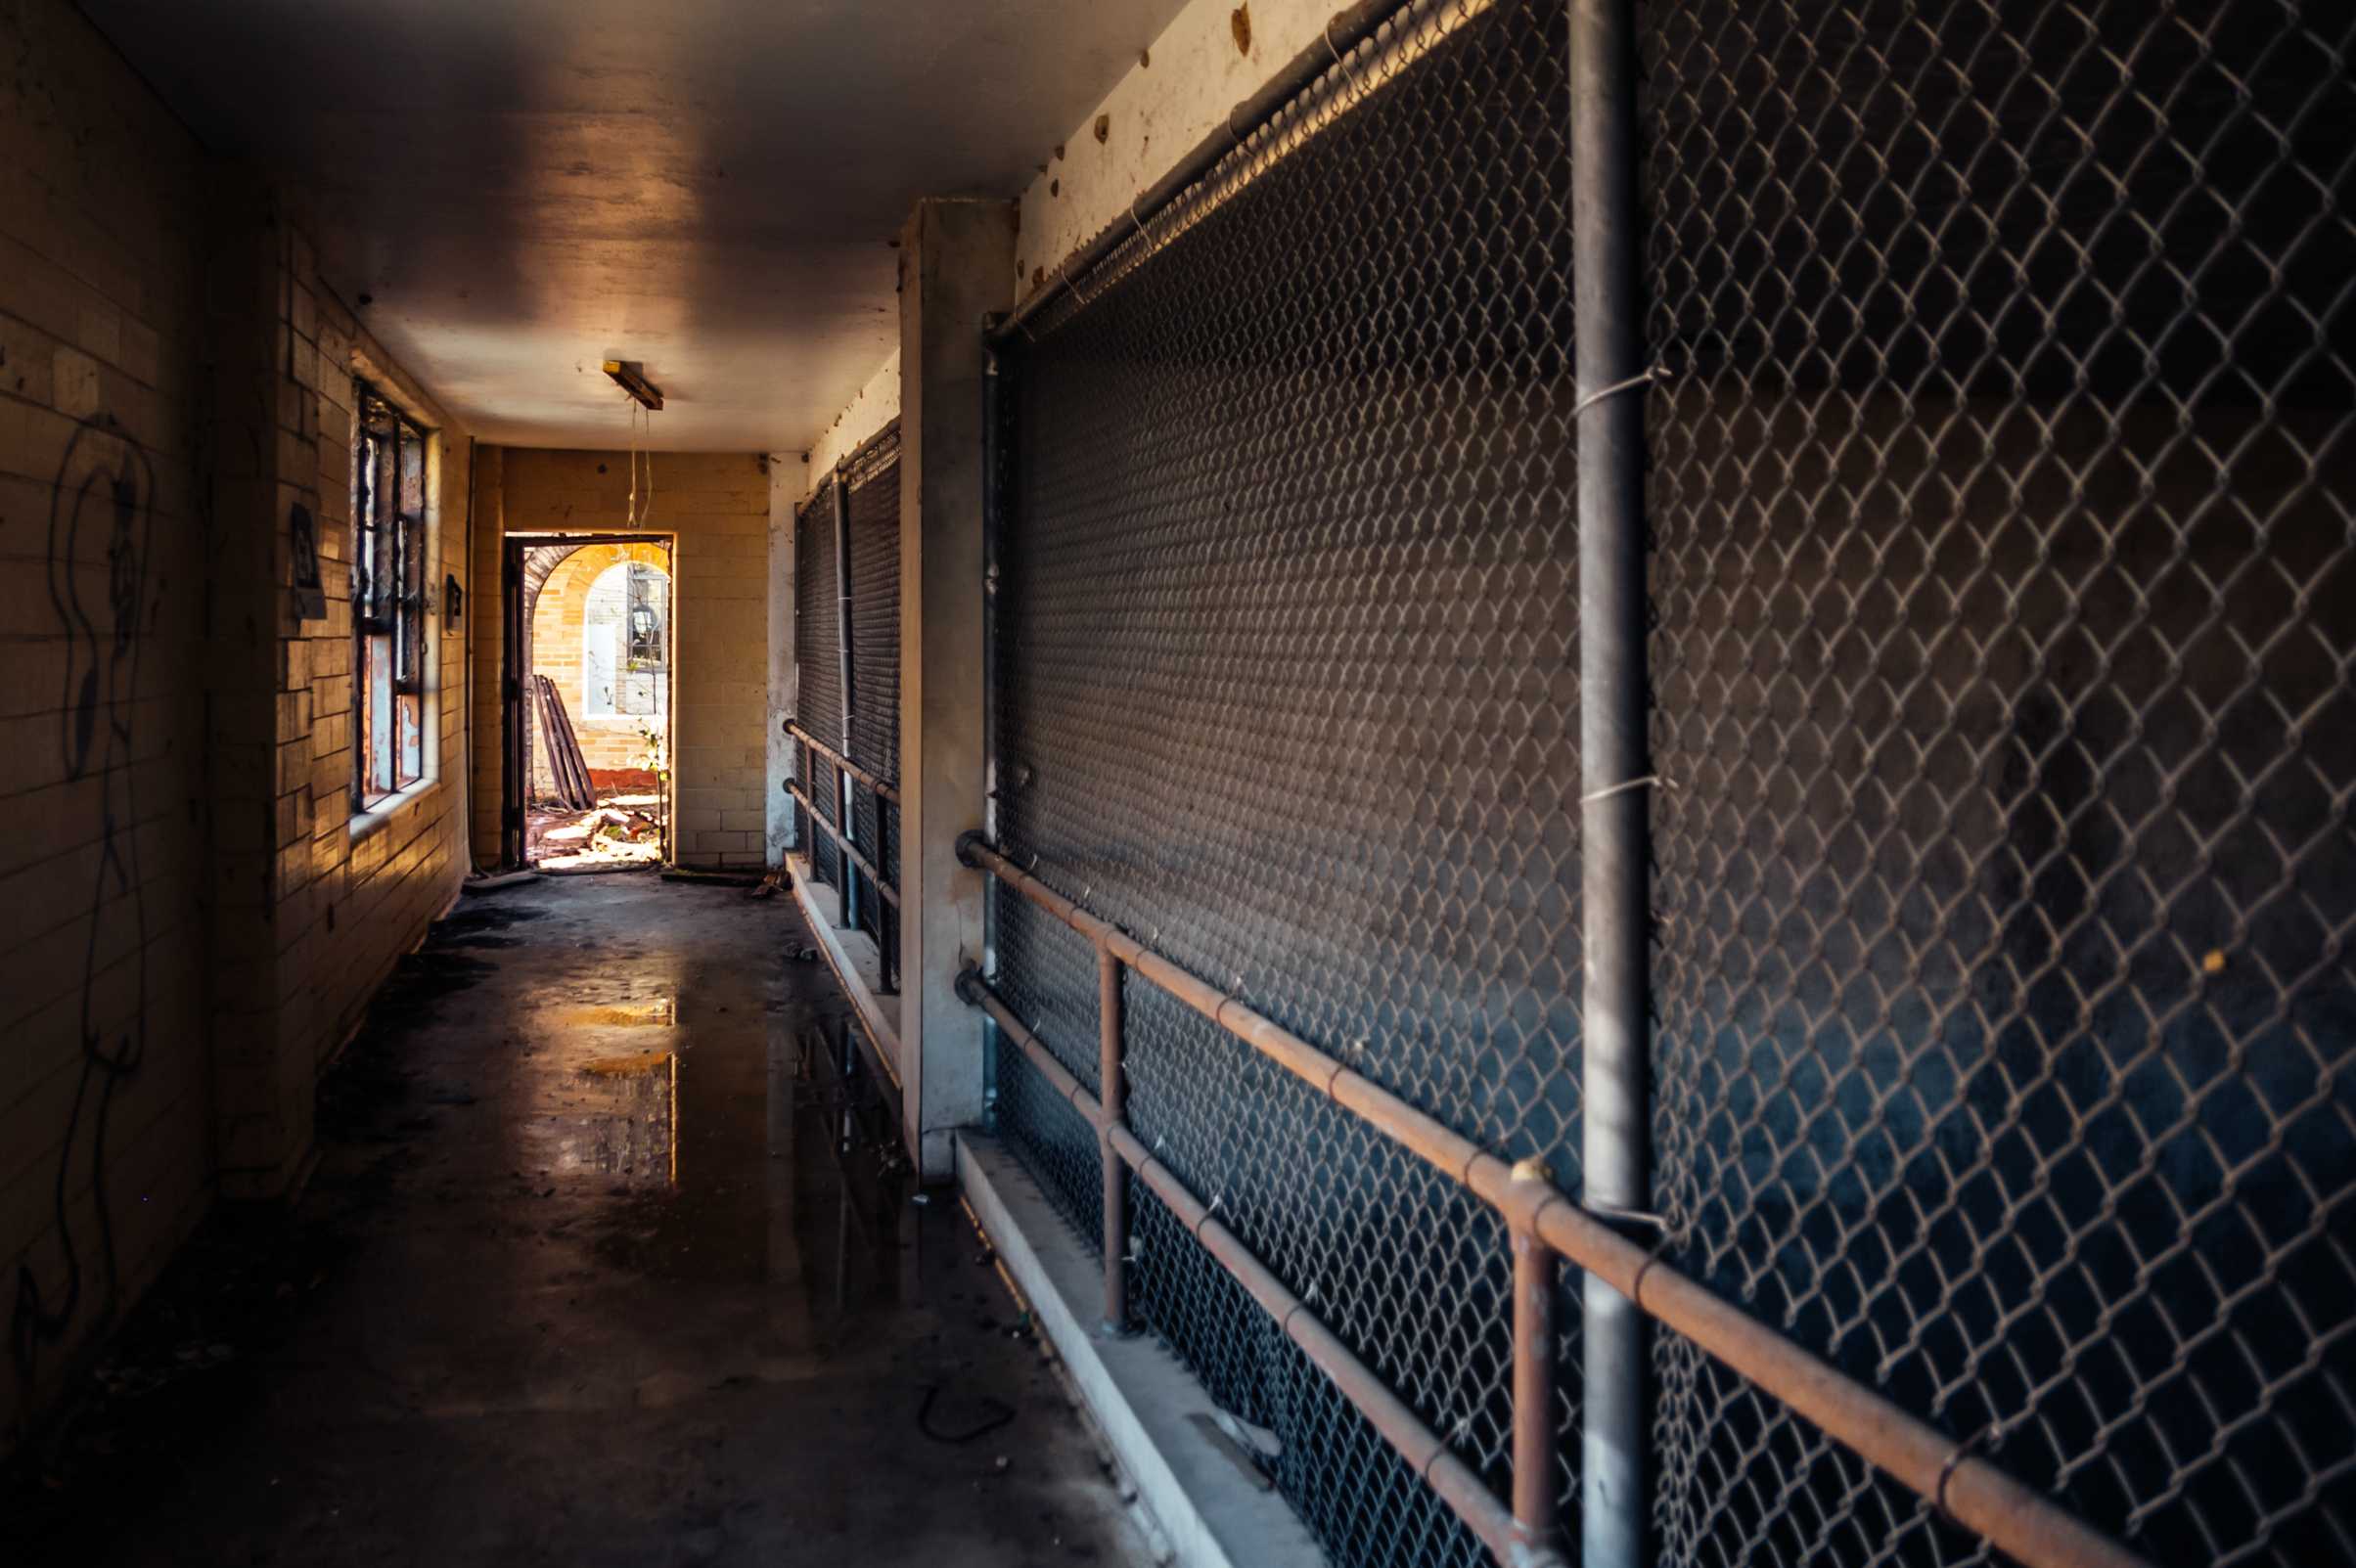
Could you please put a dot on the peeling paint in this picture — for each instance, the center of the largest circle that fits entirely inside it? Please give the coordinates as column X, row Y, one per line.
column 1200, row 71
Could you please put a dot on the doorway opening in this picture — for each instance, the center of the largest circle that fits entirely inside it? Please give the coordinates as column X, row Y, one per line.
column 589, row 698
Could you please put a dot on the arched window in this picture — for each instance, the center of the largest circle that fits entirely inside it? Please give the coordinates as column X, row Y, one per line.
column 627, row 642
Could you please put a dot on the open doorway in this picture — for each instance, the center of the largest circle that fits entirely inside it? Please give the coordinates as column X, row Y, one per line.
column 589, row 698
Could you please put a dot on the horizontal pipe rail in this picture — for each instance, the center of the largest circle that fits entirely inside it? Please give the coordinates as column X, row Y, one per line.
column 880, row 789
column 1405, row 1431
column 2015, row 1518
column 891, row 895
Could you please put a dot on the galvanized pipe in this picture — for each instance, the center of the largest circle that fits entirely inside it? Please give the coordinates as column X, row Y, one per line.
column 1111, row 1101
column 1615, row 855
column 844, row 666
column 2024, row 1523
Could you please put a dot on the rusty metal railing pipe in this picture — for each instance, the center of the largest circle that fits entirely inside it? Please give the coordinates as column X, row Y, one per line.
column 1537, row 1279
column 2016, row 1519
column 1400, row 1427
column 1413, row 1442
column 975, row 992
column 877, row 786
column 850, row 851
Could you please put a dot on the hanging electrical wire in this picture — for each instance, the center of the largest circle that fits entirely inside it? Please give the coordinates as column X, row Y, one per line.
column 640, row 512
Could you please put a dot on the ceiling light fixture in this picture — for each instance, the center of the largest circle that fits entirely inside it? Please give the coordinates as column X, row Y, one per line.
column 631, row 377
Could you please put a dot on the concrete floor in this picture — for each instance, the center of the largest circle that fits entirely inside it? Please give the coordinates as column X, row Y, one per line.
column 588, row 1277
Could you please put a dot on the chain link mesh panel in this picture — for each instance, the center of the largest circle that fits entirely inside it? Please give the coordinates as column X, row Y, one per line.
column 2004, row 592
column 1286, row 683
column 874, row 530
column 818, row 697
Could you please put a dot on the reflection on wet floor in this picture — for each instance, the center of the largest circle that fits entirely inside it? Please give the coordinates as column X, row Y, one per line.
column 846, row 1135
column 626, row 1273
column 676, row 1116
column 655, row 1012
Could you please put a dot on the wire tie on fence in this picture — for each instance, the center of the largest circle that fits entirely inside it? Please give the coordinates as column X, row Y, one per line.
column 1645, row 378
column 1648, row 782
column 1627, row 1216
column 1955, row 1457
column 1329, row 42
column 1216, row 1198
column 1612, row 1211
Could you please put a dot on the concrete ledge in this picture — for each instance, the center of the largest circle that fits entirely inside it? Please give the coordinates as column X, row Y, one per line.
column 1212, row 1513
column 859, row 967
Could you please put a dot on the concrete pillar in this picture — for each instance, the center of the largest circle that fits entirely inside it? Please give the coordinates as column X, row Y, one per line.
column 956, row 260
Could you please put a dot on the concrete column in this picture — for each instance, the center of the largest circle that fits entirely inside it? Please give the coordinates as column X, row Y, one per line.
column 785, row 476
column 956, row 260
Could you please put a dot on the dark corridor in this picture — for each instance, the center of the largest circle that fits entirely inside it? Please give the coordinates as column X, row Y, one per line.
column 606, row 1262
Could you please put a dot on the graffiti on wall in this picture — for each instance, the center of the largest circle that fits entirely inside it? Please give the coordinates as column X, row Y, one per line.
column 100, row 516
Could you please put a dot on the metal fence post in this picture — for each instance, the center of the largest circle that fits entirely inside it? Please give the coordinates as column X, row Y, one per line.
column 844, row 787
column 1537, row 1277
column 1111, row 1097
column 1614, row 798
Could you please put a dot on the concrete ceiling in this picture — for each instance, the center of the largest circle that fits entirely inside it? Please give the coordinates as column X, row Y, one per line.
column 525, row 188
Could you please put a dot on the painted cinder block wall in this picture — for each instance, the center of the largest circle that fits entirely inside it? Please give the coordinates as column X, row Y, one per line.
column 715, row 506
column 347, row 893
column 102, row 699
column 196, row 921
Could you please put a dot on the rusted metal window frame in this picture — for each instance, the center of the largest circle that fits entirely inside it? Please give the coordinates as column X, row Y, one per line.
column 380, row 530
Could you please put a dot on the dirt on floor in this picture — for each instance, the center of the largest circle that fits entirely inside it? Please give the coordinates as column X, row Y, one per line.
column 623, row 830
column 611, row 1258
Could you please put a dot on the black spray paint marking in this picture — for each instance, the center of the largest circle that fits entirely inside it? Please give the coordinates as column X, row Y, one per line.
column 103, row 496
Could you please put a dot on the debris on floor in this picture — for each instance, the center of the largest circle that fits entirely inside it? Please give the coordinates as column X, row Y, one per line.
column 620, row 830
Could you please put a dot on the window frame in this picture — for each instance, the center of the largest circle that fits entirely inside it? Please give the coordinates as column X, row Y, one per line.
column 633, row 575
column 390, row 487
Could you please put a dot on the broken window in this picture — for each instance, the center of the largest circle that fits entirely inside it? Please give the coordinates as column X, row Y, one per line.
column 388, row 596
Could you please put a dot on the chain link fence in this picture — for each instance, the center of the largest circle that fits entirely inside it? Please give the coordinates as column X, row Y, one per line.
column 2002, row 578
column 2001, row 494
column 1286, row 645
column 818, row 695
column 865, row 586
